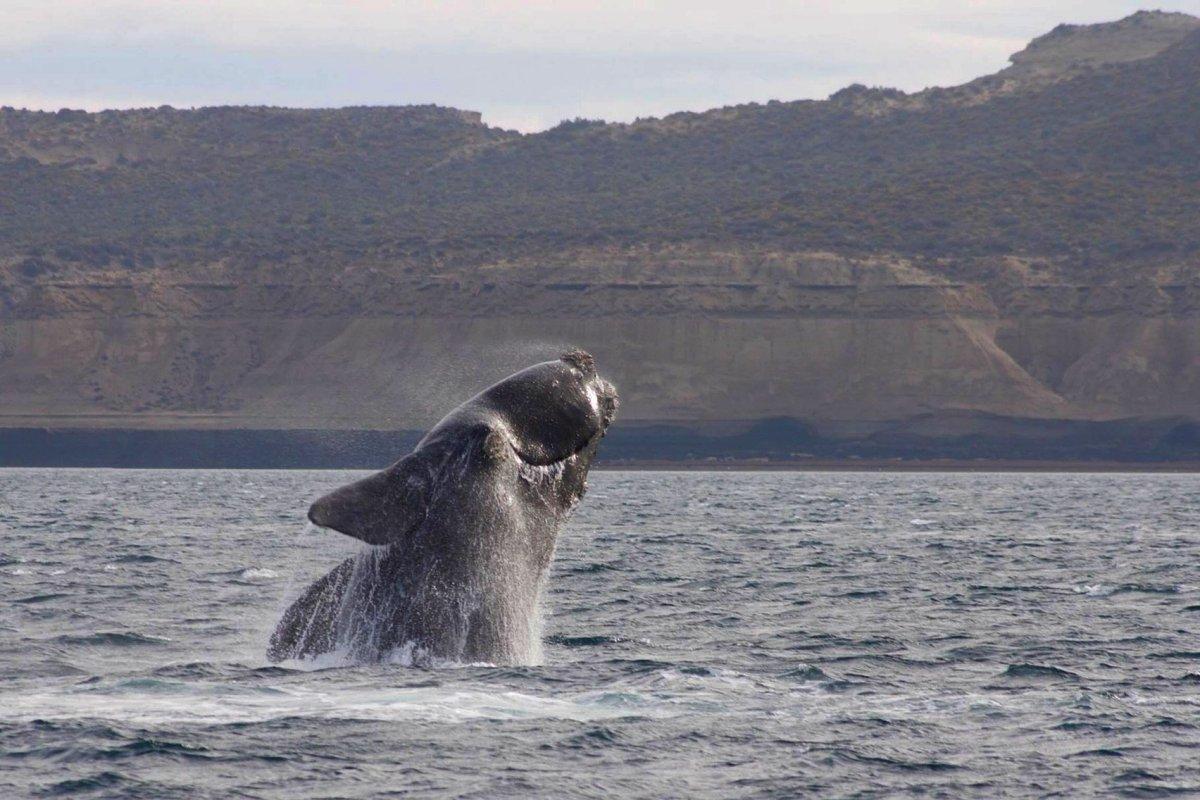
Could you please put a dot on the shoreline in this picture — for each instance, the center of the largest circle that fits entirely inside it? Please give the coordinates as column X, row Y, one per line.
column 773, row 447
column 847, row 466
column 914, row 465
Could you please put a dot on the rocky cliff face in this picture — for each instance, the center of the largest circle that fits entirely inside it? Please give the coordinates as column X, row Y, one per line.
column 728, row 336
column 1024, row 246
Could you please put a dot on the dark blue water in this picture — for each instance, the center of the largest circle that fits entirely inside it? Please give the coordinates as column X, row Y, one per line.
column 707, row 635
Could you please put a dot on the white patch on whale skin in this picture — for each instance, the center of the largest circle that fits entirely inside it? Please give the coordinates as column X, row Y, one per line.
column 543, row 474
column 593, row 398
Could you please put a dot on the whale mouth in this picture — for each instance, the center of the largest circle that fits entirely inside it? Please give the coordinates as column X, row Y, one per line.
column 531, row 462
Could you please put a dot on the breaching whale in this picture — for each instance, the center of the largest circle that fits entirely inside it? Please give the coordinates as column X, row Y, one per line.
column 464, row 527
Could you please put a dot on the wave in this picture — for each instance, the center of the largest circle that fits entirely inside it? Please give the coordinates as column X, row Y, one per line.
column 587, row 569
column 111, row 639
column 40, row 598
column 92, row 783
column 899, row 763
column 247, row 575
column 863, row 594
column 1108, row 590
column 1099, row 752
column 1038, row 672
column 195, row 669
column 805, row 673
column 143, row 746
column 1187, row 655
column 43, row 669
column 142, row 558
column 589, row 641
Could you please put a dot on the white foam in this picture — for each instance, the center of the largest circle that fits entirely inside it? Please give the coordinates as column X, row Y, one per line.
column 164, row 702
column 406, row 655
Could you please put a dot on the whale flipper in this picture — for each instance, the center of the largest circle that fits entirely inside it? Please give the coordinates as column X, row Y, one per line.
column 308, row 626
column 380, row 509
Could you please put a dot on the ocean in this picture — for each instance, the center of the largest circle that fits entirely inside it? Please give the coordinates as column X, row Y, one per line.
column 706, row 635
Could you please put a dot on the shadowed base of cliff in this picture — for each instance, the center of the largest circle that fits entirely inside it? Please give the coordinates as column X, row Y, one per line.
column 972, row 438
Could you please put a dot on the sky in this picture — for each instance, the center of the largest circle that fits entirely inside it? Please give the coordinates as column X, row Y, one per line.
column 525, row 64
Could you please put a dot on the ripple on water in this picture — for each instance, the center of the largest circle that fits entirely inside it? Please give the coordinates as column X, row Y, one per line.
column 111, row 639
column 1037, row 673
column 34, row 599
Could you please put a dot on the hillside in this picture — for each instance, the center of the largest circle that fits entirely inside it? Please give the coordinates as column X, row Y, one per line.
column 1024, row 245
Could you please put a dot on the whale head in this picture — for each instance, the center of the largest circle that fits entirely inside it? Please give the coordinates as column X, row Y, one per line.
column 550, row 411
column 534, row 433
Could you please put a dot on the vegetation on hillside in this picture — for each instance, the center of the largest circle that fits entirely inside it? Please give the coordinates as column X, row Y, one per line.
column 1102, row 165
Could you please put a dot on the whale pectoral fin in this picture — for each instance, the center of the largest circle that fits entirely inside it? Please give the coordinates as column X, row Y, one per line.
column 380, row 509
column 309, row 626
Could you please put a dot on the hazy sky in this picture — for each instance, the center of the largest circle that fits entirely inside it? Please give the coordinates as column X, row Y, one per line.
column 525, row 64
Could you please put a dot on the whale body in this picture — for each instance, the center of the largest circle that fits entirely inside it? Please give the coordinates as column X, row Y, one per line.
column 464, row 529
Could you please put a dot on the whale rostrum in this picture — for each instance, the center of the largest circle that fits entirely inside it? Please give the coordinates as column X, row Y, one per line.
column 464, row 528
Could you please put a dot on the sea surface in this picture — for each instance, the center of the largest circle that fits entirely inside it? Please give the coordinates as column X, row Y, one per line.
column 707, row 635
